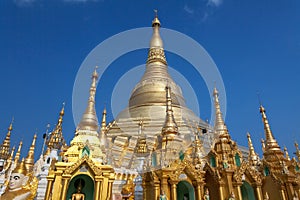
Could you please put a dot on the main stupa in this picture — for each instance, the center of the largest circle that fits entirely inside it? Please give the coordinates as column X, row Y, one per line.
column 148, row 104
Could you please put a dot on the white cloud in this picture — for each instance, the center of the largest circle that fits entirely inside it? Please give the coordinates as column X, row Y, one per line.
column 188, row 9
column 215, row 2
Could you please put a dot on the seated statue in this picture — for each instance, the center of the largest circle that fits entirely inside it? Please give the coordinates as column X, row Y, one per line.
column 17, row 189
column 232, row 196
column 163, row 196
column 128, row 190
column 206, row 194
column 79, row 184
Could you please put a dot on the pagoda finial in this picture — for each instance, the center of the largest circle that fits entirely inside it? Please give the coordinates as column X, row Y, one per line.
column 170, row 127
column 17, row 157
column 220, row 127
column 286, row 153
column 156, row 51
column 29, row 161
column 252, row 156
column 5, row 147
column 271, row 143
column 263, row 145
column 297, row 150
column 89, row 120
column 103, row 122
column 9, row 160
column 56, row 139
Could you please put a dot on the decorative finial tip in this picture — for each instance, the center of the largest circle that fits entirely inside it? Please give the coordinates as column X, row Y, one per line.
column 216, row 92
column 155, row 22
column 248, row 135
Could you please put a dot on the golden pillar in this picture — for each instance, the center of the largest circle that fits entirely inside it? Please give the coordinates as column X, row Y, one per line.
column 258, row 192
column 49, row 187
column 221, row 191
column 57, row 185
column 173, row 190
column 109, row 189
column 65, row 187
column 282, row 194
column 198, row 191
column 156, row 190
column 165, row 186
column 97, row 188
column 239, row 192
column 144, row 185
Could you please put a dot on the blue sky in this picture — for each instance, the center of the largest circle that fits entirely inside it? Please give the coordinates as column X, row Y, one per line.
column 255, row 44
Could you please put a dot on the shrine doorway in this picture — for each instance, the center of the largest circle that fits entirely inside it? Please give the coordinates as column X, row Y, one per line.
column 87, row 187
column 247, row 191
column 185, row 191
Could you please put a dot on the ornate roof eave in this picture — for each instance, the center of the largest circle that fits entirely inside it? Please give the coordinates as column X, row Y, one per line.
column 92, row 165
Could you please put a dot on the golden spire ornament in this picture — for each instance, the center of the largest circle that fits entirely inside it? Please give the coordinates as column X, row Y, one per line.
column 29, row 161
column 17, row 157
column 5, row 147
column 156, row 52
column 89, row 119
column 9, row 160
column 271, row 143
column 170, row 127
column 297, row 150
column 220, row 127
column 286, row 153
column 56, row 139
column 103, row 122
column 252, row 156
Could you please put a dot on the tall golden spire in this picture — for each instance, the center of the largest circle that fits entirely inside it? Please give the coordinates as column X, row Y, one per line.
column 5, row 147
column 286, row 153
column 56, row 139
column 29, row 161
column 17, row 157
column 220, row 127
column 297, row 151
column 89, row 120
column 156, row 51
column 9, row 160
column 271, row 143
column 170, row 127
column 252, row 156
column 103, row 122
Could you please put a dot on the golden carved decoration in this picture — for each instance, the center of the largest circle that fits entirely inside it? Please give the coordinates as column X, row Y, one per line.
column 71, row 169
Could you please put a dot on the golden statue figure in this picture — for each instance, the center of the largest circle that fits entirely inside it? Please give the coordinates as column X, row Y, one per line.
column 163, row 196
column 206, row 194
column 21, row 186
column 232, row 196
column 79, row 184
column 128, row 190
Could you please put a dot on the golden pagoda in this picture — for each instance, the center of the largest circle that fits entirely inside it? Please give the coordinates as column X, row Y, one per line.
column 80, row 170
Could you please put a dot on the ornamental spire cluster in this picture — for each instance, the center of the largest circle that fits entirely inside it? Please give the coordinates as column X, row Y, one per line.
column 56, row 139
column 5, row 147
